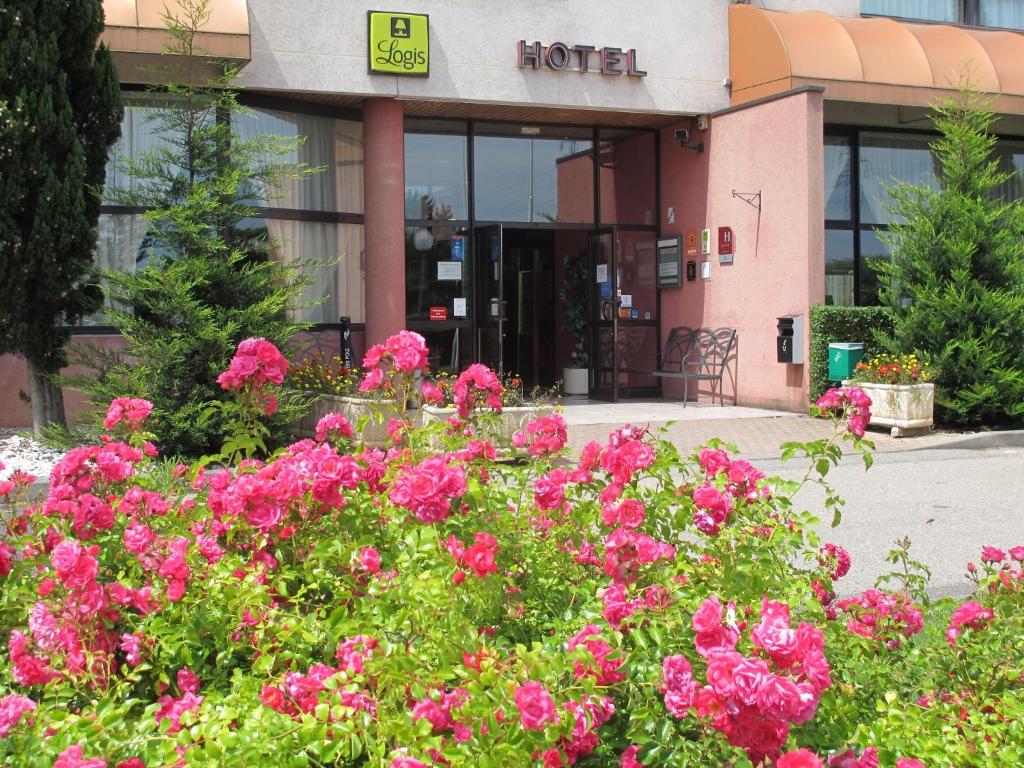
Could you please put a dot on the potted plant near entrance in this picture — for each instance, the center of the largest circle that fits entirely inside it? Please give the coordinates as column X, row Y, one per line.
column 902, row 397
column 334, row 388
column 576, row 375
column 505, row 406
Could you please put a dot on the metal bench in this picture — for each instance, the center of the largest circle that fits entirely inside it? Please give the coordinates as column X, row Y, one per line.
column 697, row 354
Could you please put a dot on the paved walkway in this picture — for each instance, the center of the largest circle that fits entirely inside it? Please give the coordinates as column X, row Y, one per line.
column 757, row 433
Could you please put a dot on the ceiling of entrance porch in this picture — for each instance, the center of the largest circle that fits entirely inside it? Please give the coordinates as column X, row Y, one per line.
column 871, row 60
column 512, row 113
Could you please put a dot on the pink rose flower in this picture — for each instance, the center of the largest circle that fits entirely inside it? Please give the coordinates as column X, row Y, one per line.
column 75, row 566
column 799, row 758
column 535, row 705
column 629, row 757
column 369, row 560
column 12, row 709
column 188, row 681
column 992, row 555
column 72, row 757
column 709, row 616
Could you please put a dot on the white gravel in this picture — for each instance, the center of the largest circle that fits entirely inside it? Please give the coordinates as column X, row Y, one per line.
column 21, row 452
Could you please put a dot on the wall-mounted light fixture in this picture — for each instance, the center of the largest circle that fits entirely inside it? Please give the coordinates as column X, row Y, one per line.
column 683, row 137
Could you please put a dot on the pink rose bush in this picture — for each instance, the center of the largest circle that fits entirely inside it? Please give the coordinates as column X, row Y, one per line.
column 129, row 411
column 426, row 606
column 392, row 365
column 256, row 363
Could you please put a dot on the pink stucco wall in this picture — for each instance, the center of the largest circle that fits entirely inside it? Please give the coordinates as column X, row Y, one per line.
column 15, row 410
column 775, row 147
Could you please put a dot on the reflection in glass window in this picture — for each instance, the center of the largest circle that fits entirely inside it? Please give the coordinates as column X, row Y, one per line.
column 872, row 249
column 627, row 177
column 885, row 160
column 931, row 10
column 436, row 271
column 436, row 176
column 837, row 178
column 533, row 174
column 839, row 273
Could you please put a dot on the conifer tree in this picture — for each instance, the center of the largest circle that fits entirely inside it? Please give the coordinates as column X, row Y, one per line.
column 60, row 111
column 955, row 283
column 204, row 280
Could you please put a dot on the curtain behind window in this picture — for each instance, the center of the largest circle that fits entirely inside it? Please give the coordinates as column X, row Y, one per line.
column 932, row 10
column 1002, row 13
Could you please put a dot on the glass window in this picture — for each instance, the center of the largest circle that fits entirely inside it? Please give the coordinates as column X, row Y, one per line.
column 885, row 160
column 336, row 146
column 1011, row 158
column 872, row 249
column 139, row 134
column 839, row 274
column 1002, row 13
column 433, row 278
column 533, row 174
column 436, row 176
column 931, row 10
column 627, row 177
column 837, row 178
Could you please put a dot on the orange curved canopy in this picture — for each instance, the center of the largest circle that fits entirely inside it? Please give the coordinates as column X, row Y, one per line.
column 876, row 60
column 135, row 32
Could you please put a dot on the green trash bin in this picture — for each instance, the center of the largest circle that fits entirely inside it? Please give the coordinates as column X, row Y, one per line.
column 843, row 357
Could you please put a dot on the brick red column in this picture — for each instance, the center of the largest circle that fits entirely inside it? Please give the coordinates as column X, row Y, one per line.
column 384, row 230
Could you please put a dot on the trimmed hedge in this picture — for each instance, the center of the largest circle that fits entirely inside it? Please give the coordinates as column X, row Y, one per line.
column 834, row 323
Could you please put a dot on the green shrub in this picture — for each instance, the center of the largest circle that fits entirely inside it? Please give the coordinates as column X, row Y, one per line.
column 955, row 282
column 831, row 323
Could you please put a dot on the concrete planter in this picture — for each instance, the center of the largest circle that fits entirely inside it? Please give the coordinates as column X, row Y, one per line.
column 576, row 381
column 374, row 415
column 904, row 408
column 498, row 431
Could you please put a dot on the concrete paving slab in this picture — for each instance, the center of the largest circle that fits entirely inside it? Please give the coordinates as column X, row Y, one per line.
column 756, row 432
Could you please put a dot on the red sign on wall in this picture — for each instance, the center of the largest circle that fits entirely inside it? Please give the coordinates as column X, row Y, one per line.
column 439, row 313
column 725, row 241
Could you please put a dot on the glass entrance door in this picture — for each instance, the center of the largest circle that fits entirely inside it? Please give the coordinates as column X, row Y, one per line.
column 492, row 306
column 624, row 309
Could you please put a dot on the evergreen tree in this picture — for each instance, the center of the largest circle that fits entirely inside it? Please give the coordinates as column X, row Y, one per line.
column 955, row 283
column 60, row 111
column 203, row 280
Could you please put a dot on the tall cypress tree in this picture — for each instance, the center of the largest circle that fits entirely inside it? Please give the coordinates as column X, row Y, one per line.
column 955, row 282
column 60, row 111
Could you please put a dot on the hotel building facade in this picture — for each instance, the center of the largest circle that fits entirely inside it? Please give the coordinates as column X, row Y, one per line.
column 706, row 162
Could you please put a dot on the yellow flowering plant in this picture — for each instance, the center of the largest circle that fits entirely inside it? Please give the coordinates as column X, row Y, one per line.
column 329, row 376
column 894, row 369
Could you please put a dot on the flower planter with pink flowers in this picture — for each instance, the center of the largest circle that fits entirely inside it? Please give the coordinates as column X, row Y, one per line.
column 369, row 417
column 904, row 408
column 499, row 430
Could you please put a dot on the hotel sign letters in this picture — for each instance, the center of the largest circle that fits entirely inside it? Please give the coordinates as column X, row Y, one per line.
column 399, row 43
column 582, row 58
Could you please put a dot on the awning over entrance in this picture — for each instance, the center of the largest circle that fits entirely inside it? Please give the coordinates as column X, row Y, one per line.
column 874, row 60
column 137, row 36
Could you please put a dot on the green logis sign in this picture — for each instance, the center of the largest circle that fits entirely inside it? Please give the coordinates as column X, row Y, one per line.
column 399, row 43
